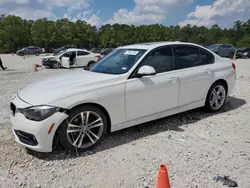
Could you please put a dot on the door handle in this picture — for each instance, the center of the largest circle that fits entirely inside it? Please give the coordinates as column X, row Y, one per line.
column 208, row 71
column 173, row 79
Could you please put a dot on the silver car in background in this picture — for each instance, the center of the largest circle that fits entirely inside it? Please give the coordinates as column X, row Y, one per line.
column 223, row 50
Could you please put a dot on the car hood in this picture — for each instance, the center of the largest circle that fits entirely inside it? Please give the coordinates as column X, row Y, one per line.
column 47, row 57
column 57, row 87
column 51, row 56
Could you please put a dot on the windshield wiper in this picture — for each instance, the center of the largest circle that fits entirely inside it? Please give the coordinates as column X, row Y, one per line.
column 104, row 72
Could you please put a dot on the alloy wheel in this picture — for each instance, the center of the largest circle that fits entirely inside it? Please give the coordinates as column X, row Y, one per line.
column 85, row 129
column 217, row 97
column 56, row 65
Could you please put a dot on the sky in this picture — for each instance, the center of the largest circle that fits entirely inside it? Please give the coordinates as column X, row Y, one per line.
column 136, row 12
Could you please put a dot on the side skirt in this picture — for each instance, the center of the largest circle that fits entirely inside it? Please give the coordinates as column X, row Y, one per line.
column 158, row 115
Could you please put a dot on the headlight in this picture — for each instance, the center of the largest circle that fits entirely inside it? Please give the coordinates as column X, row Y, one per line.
column 38, row 113
column 52, row 59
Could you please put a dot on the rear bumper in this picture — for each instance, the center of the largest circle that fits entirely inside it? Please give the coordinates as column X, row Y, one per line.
column 231, row 82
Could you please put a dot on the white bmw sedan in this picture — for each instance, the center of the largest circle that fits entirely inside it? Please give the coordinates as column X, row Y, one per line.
column 132, row 85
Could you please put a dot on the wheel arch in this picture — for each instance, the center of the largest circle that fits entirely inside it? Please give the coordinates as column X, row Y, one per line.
column 56, row 142
column 221, row 80
column 91, row 62
column 104, row 110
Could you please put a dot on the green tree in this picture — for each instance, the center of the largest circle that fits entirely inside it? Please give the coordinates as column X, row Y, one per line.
column 16, row 33
column 244, row 41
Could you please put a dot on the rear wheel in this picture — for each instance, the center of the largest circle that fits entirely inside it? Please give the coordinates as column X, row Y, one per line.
column 37, row 53
column 56, row 65
column 91, row 63
column 83, row 129
column 216, row 97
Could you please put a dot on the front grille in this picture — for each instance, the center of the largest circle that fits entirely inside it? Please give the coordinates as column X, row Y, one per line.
column 26, row 138
column 12, row 109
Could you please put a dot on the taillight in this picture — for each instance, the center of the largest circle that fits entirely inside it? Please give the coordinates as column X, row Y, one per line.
column 99, row 57
column 233, row 65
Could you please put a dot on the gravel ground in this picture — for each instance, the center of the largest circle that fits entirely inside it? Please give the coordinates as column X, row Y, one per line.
column 195, row 145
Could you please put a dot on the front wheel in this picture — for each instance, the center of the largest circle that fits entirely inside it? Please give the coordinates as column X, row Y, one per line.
column 56, row 65
column 83, row 129
column 216, row 97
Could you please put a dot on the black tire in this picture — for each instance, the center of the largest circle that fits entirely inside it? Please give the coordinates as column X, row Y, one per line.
column 37, row 53
column 56, row 65
column 21, row 54
column 91, row 63
column 208, row 105
column 62, row 131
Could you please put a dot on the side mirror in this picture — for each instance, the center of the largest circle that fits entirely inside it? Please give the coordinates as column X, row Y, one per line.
column 146, row 71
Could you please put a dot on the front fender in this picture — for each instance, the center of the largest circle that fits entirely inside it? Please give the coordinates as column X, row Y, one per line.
column 111, row 99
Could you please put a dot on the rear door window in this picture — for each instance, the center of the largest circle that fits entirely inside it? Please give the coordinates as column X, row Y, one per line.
column 187, row 56
column 82, row 53
column 206, row 57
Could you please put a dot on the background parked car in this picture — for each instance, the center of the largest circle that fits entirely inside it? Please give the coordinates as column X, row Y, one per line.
column 57, row 50
column 70, row 58
column 96, row 50
column 243, row 53
column 31, row 50
column 223, row 50
column 106, row 51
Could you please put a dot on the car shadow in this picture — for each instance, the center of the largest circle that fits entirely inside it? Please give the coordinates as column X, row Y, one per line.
column 172, row 123
column 8, row 70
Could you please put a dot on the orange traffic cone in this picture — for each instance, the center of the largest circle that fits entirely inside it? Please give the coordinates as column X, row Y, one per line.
column 234, row 58
column 163, row 179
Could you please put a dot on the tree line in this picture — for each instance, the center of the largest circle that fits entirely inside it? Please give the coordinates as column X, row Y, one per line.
column 16, row 33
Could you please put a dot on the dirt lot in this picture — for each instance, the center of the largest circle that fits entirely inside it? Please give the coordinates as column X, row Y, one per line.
column 195, row 145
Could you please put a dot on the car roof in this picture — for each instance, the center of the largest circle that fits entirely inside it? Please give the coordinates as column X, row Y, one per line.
column 32, row 47
column 76, row 49
column 152, row 45
column 223, row 44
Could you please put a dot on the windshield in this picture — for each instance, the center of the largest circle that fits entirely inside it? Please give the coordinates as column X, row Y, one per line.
column 213, row 46
column 60, row 52
column 118, row 62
